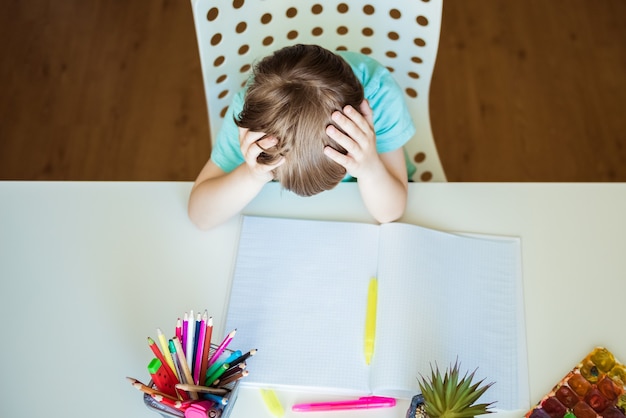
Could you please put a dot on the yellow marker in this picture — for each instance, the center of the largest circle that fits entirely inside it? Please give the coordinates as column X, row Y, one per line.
column 272, row 402
column 370, row 320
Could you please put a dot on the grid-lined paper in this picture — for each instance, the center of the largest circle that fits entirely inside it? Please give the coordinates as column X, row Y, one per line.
column 299, row 296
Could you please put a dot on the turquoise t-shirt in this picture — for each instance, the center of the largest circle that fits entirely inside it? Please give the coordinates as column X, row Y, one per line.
column 392, row 122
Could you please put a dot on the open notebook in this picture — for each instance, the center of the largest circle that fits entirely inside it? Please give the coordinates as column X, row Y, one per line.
column 299, row 295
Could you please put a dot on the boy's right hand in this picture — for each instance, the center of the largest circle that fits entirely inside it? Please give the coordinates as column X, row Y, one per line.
column 252, row 145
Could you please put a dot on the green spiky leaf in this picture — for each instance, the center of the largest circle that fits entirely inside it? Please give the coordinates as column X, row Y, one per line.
column 450, row 396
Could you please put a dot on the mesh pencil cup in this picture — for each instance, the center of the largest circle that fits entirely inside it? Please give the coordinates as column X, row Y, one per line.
column 171, row 412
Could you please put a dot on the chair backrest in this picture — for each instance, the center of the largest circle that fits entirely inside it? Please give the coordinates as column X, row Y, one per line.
column 402, row 35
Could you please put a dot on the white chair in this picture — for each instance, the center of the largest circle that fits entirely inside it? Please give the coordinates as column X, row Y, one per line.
column 402, row 35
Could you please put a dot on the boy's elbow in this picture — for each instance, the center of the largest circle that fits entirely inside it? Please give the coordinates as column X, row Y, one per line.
column 390, row 216
column 199, row 220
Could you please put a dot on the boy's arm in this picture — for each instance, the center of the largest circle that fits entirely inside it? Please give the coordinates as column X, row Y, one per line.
column 384, row 189
column 216, row 196
column 382, row 178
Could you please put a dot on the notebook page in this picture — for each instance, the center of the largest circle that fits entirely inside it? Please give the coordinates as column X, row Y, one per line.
column 299, row 296
column 452, row 297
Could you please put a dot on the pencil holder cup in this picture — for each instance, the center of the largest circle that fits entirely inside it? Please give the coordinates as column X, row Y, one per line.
column 219, row 412
column 167, row 412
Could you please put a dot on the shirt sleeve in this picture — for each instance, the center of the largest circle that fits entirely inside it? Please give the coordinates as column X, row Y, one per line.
column 226, row 152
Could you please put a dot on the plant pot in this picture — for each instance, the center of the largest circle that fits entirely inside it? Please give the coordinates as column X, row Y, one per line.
column 416, row 410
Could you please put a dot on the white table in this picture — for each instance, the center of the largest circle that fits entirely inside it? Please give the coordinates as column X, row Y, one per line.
column 88, row 270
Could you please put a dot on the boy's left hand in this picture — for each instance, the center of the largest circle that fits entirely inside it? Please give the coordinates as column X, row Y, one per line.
column 360, row 141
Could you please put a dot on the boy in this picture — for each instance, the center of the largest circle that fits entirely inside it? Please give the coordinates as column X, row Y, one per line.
column 309, row 118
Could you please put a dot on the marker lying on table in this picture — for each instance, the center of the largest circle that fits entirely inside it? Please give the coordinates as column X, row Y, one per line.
column 366, row 402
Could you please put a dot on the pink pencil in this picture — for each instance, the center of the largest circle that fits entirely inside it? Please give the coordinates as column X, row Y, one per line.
column 220, row 349
column 179, row 329
column 183, row 340
column 207, row 347
column 200, row 348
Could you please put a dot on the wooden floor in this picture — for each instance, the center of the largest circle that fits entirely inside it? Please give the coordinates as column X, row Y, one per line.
column 524, row 90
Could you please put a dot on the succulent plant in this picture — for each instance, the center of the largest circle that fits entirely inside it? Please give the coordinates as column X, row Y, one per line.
column 450, row 395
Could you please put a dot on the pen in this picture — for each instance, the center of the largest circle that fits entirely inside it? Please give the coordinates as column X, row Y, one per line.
column 179, row 370
column 186, row 377
column 370, row 320
column 272, row 402
column 366, row 402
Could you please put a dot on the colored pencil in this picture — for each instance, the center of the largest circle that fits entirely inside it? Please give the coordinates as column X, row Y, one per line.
column 242, row 358
column 167, row 401
column 196, row 343
column 183, row 340
column 206, row 348
column 216, row 374
column 160, row 356
column 191, row 335
column 197, row 361
column 220, row 349
column 201, row 389
column 147, row 389
column 165, row 349
column 233, row 370
column 179, row 329
column 223, row 382
column 184, row 366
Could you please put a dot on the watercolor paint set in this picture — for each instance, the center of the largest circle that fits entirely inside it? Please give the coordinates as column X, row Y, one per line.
column 595, row 388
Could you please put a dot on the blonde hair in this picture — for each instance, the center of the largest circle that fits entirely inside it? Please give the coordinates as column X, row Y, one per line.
column 292, row 95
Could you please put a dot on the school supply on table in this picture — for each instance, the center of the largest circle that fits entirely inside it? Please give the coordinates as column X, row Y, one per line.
column 272, row 403
column 595, row 388
column 300, row 293
column 190, row 377
column 365, row 402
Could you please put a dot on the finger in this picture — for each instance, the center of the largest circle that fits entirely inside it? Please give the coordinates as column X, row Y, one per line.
column 266, row 142
column 349, row 144
column 248, row 137
column 341, row 159
column 351, row 122
column 367, row 112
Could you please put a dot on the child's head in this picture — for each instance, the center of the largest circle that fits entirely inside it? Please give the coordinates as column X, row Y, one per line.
column 291, row 97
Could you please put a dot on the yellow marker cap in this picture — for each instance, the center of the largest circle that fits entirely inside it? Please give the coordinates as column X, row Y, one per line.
column 272, row 402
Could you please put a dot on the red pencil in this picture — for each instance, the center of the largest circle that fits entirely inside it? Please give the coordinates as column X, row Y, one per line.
column 159, row 355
